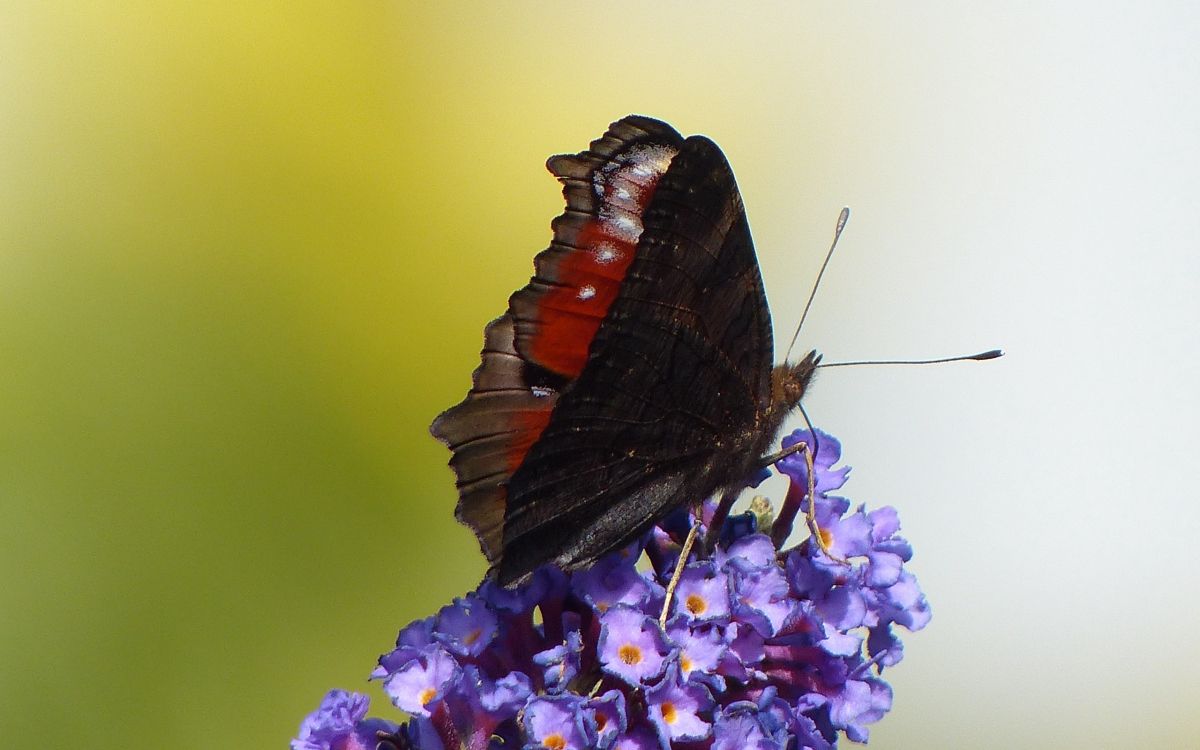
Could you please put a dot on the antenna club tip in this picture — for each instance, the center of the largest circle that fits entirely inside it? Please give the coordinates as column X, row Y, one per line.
column 993, row 354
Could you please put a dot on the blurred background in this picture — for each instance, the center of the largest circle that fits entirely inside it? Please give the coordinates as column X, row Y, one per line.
column 247, row 252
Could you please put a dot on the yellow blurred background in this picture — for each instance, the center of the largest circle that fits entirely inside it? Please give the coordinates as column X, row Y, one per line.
column 247, row 251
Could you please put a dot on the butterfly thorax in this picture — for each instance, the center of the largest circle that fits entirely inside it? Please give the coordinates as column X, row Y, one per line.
column 746, row 448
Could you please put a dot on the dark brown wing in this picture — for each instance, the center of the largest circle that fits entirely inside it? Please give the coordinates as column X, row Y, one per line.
column 607, row 189
column 669, row 399
column 542, row 343
column 491, row 431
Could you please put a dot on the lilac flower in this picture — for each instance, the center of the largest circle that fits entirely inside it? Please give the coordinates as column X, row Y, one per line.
column 845, row 536
column 493, row 701
column 767, row 648
column 755, row 550
column 419, row 686
column 561, row 664
column 413, row 638
column 632, row 646
column 701, row 648
column 746, row 644
column 902, row 604
column 465, row 627
column 609, row 715
column 779, row 717
column 339, row 724
column 545, row 584
column 761, row 595
column 703, row 593
column 858, row 703
column 888, row 551
column 828, row 453
column 675, row 709
column 739, row 727
column 610, row 582
column 559, row 723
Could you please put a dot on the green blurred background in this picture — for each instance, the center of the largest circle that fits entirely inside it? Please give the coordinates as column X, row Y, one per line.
column 247, row 251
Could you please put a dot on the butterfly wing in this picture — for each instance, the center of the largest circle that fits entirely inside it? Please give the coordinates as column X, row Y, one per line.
column 490, row 432
column 541, row 344
column 668, row 401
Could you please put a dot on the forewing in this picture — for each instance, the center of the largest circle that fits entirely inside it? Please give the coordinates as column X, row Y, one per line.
column 607, row 190
column 542, row 343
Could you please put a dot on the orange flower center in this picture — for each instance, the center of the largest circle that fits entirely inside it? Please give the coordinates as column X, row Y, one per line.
column 630, row 654
column 826, row 538
column 555, row 742
column 696, row 604
column 668, row 712
column 427, row 695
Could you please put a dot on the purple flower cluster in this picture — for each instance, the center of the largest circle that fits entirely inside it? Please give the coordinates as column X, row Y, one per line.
column 762, row 648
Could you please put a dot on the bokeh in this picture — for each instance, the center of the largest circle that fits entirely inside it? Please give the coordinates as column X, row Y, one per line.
column 247, row 251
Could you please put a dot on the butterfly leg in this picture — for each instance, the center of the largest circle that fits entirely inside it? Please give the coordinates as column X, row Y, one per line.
column 782, row 528
column 822, row 538
column 683, row 556
column 783, row 523
column 774, row 458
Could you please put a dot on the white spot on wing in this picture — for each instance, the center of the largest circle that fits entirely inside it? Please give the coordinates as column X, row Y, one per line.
column 606, row 253
column 651, row 160
column 622, row 189
column 541, row 391
column 623, row 225
column 587, row 291
column 640, row 167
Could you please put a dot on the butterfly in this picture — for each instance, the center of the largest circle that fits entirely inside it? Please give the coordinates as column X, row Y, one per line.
column 633, row 374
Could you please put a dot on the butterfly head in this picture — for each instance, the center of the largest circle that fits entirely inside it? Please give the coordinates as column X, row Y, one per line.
column 789, row 381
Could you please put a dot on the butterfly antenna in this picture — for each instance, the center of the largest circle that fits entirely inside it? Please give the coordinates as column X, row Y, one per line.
column 843, row 217
column 990, row 354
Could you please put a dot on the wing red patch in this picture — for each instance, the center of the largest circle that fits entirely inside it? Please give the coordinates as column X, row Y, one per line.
column 595, row 241
column 491, row 431
column 527, row 426
column 534, row 351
